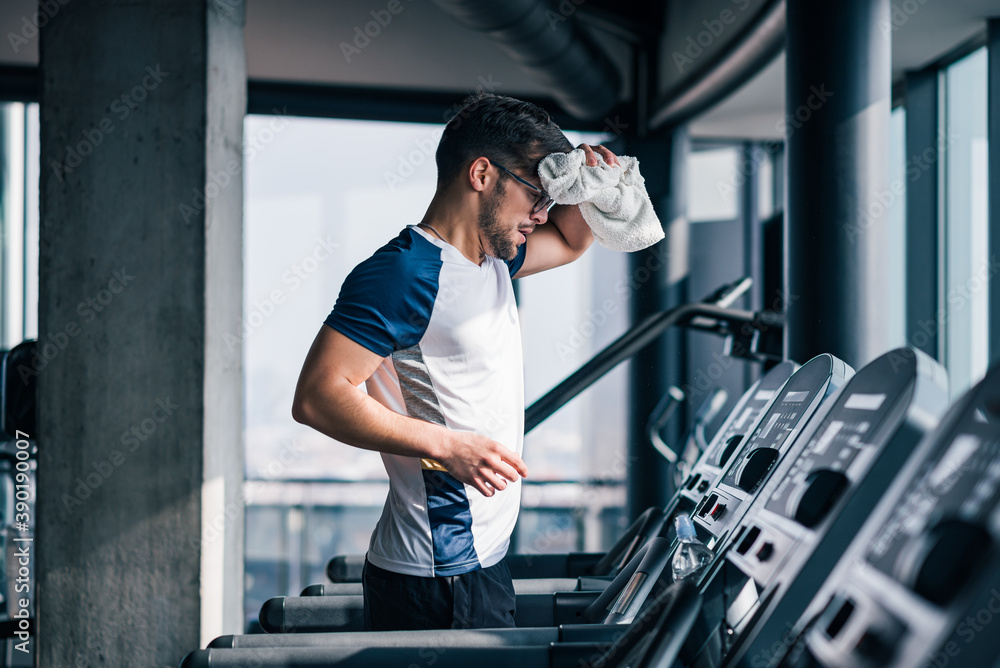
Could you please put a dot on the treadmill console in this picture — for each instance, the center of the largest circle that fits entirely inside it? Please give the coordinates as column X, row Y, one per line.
column 817, row 500
column 772, row 436
column 727, row 440
column 913, row 586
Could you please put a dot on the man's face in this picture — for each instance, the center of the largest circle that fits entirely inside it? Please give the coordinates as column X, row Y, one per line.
column 506, row 218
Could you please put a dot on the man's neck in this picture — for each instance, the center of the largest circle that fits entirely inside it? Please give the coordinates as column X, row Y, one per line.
column 455, row 226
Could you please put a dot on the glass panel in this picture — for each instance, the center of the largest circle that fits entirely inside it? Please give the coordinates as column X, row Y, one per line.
column 967, row 269
column 19, row 165
column 713, row 184
column 567, row 316
column 895, row 264
column 12, row 223
column 31, row 211
column 321, row 196
column 765, row 188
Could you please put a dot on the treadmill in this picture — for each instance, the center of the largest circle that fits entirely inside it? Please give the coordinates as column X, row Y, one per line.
column 815, row 502
column 919, row 583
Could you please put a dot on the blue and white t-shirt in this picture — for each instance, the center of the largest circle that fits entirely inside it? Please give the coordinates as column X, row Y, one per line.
column 448, row 330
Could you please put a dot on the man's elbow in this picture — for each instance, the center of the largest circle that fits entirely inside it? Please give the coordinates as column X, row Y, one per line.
column 302, row 410
column 576, row 251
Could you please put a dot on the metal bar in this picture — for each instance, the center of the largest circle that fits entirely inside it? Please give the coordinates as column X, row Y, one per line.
column 628, row 344
column 376, row 104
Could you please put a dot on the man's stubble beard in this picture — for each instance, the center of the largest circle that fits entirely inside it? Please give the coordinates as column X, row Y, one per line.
column 498, row 240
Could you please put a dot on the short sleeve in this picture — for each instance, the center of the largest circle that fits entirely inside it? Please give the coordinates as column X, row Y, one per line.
column 515, row 265
column 386, row 301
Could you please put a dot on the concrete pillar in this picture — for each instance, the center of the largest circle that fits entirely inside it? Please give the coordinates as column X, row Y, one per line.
column 837, row 131
column 139, row 512
column 659, row 279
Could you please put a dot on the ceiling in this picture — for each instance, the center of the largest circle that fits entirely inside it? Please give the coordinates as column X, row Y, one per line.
column 421, row 48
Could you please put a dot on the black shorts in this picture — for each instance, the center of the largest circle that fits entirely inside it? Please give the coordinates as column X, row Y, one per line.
column 395, row 602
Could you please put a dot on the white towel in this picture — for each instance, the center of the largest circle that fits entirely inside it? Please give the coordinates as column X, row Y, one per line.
column 613, row 200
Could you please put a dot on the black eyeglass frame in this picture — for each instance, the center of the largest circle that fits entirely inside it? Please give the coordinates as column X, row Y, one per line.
column 544, row 200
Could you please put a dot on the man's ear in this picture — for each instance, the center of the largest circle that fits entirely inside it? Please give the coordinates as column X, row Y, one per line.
column 479, row 174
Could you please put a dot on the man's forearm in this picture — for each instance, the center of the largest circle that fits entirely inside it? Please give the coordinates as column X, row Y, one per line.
column 573, row 228
column 350, row 416
column 345, row 413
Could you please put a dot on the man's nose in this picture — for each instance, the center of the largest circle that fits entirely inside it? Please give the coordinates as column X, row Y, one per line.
column 540, row 217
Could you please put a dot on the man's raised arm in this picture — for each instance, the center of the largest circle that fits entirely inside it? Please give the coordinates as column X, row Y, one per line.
column 568, row 236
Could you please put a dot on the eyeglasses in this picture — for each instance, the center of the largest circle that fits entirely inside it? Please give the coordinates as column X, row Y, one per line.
column 542, row 202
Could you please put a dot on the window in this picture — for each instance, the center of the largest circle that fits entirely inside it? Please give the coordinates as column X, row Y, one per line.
column 895, row 217
column 713, row 185
column 19, row 158
column 966, row 268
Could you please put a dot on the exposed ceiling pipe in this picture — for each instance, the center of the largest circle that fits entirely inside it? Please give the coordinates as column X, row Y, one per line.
column 550, row 46
column 749, row 53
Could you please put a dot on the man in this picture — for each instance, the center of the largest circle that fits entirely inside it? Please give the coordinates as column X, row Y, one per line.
column 429, row 324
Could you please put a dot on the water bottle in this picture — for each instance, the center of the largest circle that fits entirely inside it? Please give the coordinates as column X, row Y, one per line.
column 691, row 555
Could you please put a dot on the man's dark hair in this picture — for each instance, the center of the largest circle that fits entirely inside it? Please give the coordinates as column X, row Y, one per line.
column 512, row 132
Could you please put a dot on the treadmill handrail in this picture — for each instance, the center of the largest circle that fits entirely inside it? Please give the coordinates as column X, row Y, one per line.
column 696, row 315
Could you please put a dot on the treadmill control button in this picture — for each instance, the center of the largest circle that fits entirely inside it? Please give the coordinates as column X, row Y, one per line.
column 703, row 486
column 730, row 450
column 938, row 563
column 873, row 646
column 755, row 468
column 765, row 551
column 718, row 511
column 823, row 488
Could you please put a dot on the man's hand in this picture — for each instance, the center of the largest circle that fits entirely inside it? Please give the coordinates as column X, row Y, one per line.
column 592, row 153
column 568, row 236
column 481, row 462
